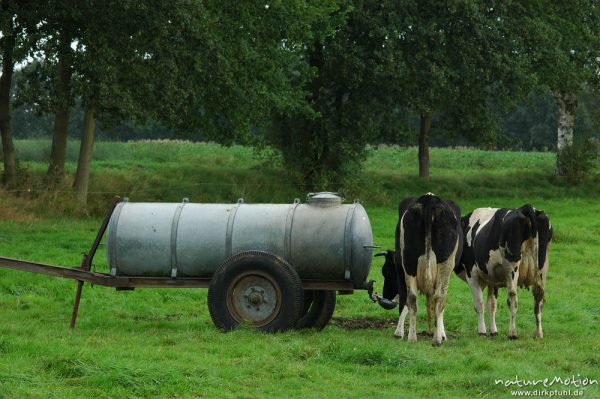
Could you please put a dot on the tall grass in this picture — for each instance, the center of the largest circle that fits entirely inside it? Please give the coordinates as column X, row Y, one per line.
column 168, row 171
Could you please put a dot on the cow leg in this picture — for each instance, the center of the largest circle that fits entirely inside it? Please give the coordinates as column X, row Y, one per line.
column 491, row 308
column 442, row 326
column 440, row 330
column 399, row 333
column 512, row 301
column 430, row 303
column 411, row 284
column 477, row 293
column 538, row 305
column 538, row 296
column 441, row 290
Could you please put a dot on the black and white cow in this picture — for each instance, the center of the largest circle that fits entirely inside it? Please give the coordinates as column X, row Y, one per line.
column 505, row 248
column 428, row 245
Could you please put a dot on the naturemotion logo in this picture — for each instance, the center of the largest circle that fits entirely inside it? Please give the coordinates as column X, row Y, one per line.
column 573, row 381
column 557, row 386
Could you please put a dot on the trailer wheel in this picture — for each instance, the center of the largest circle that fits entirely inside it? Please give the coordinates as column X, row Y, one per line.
column 255, row 288
column 318, row 309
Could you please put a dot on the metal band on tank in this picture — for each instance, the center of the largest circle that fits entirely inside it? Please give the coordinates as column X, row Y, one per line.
column 174, row 228
column 112, row 237
column 287, row 251
column 348, row 240
column 230, row 221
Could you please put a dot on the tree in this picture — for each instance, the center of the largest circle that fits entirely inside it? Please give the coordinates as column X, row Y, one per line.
column 348, row 99
column 106, row 62
column 8, row 47
column 81, row 182
column 457, row 59
column 56, row 35
column 229, row 65
column 214, row 66
column 46, row 81
column 18, row 19
column 63, row 101
column 446, row 62
column 15, row 18
column 565, row 57
column 221, row 67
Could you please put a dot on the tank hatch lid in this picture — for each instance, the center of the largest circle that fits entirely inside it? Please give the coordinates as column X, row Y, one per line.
column 325, row 199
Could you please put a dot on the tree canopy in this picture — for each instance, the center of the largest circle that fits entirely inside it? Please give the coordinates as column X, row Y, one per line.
column 317, row 80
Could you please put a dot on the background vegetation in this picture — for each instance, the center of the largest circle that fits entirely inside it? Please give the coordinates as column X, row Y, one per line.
column 169, row 170
column 314, row 83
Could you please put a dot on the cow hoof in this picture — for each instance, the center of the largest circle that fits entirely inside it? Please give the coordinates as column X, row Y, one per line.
column 512, row 337
column 436, row 344
column 412, row 339
column 493, row 334
column 397, row 336
column 539, row 337
column 482, row 334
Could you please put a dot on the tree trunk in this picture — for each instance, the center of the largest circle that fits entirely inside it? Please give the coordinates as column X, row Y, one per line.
column 424, row 146
column 82, row 177
column 566, row 104
column 9, row 176
column 58, row 154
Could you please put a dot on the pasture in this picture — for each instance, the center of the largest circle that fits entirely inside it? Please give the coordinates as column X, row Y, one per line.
column 162, row 343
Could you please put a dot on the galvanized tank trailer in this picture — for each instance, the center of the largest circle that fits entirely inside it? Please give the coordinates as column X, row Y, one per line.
column 273, row 266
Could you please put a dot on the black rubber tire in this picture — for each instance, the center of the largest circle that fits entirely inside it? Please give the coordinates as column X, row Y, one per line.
column 318, row 309
column 278, row 271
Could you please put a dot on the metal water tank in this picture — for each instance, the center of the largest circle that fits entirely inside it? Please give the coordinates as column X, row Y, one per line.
column 322, row 239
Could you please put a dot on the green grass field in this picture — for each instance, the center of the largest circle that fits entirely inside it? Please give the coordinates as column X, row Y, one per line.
column 162, row 343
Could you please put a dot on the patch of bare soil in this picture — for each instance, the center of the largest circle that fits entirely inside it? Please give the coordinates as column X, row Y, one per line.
column 359, row 323
column 157, row 317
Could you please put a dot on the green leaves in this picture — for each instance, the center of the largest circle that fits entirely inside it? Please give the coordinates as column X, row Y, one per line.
column 322, row 78
column 219, row 66
column 565, row 43
column 388, row 60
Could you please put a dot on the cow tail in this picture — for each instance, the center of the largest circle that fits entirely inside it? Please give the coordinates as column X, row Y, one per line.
column 428, row 219
column 529, row 212
column 400, row 275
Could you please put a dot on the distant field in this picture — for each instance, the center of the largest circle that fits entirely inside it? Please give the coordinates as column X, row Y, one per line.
column 161, row 343
column 168, row 171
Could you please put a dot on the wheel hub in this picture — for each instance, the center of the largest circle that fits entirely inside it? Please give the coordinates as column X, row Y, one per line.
column 254, row 297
